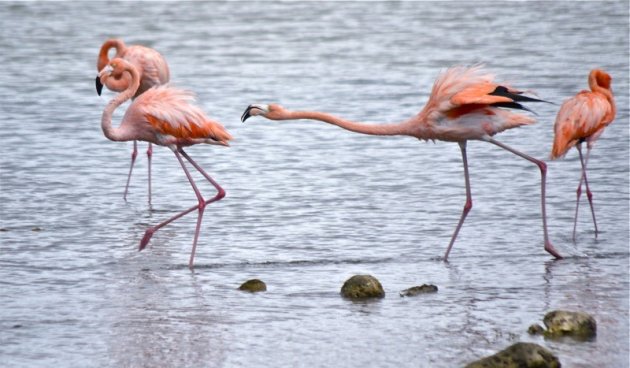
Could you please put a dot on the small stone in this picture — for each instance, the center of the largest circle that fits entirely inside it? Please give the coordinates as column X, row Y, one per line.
column 253, row 286
column 361, row 287
column 519, row 355
column 36, row 228
column 417, row 290
column 578, row 325
column 3, row 229
column 536, row 329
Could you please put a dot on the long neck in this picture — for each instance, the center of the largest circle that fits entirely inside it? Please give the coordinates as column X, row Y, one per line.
column 103, row 55
column 119, row 134
column 403, row 128
column 607, row 92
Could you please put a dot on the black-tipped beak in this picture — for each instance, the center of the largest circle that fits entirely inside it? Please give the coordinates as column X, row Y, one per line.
column 246, row 115
column 99, row 85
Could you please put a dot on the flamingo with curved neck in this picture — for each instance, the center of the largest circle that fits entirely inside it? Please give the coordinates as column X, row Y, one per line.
column 583, row 118
column 164, row 116
column 465, row 104
column 153, row 71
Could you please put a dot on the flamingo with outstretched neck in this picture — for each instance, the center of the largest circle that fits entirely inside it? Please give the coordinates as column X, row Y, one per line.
column 165, row 116
column 465, row 104
column 153, row 71
column 583, row 118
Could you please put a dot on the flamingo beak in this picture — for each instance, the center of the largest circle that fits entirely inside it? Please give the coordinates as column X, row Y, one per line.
column 99, row 85
column 248, row 111
column 246, row 115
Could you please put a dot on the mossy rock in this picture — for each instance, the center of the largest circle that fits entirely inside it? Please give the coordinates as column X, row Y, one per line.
column 362, row 287
column 578, row 325
column 519, row 355
column 253, row 286
column 417, row 290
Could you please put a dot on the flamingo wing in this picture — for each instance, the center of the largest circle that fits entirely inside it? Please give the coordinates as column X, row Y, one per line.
column 174, row 117
column 580, row 118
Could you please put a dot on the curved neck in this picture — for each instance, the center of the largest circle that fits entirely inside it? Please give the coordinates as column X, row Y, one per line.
column 103, row 55
column 116, row 134
column 403, row 128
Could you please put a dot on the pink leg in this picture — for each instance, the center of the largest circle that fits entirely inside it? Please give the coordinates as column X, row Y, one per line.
column 589, row 194
column 543, row 172
column 200, row 206
column 467, row 205
column 149, row 155
column 134, row 154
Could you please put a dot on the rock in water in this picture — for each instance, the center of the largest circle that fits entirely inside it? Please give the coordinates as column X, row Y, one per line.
column 578, row 325
column 519, row 355
column 253, row 286
column 361, row 287
column 416, row 290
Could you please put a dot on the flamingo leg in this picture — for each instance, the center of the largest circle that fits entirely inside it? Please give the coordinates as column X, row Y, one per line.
column 589, row 194
column 149, row 155
column 543, row 172
column 134, row 154
column 202, row 203
column 467, row 205
column 200, row 206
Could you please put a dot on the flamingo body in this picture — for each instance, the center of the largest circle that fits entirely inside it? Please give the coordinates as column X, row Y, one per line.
column 165, row 116
column 465, row 104
column 153, row 71
column 583, row 118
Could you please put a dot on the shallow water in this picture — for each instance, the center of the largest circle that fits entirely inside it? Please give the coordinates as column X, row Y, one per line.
column 308, row 204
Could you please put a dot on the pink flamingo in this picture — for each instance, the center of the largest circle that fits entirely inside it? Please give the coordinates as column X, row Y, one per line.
column 153, row 71
column 165, row 116
column 583, row 118
column 465, row 104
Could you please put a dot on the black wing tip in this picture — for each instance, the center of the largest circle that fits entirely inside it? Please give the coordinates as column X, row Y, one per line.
column 513, row 105
column 516, row 96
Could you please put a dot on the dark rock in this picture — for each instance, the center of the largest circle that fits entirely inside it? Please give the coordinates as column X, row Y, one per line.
column 253, row 286
column 416, row 290
column 578, row 325
column 361, row 287
column 519, row 355
column 536, row 329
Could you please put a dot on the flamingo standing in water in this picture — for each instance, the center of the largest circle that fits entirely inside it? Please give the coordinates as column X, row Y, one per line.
column 165, row 116
column 153, row 71
column 583, row 118
column 465, row 104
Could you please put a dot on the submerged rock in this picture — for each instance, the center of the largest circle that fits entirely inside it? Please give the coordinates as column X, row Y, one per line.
column 416, row 290
column 578, row 325
column 519, row 355
column 361, row 287
column 536, row 329
column 253, row 286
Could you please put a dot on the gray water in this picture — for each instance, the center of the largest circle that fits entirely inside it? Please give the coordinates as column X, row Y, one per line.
column 308, row 205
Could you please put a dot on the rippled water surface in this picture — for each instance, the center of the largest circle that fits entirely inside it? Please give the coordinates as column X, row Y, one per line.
column 308, row 204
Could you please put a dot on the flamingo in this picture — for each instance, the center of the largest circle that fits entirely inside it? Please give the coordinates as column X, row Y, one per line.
column 465, row 104
column 153, row 71
column 165, row 116
column 583, row 118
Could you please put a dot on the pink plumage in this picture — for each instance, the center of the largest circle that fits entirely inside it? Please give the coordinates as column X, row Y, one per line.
column 465, row 104
column 168, row 117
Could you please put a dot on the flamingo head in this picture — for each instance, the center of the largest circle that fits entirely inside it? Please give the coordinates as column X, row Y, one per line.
column 603, row 79
column 271, row 111
column 114, row 68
